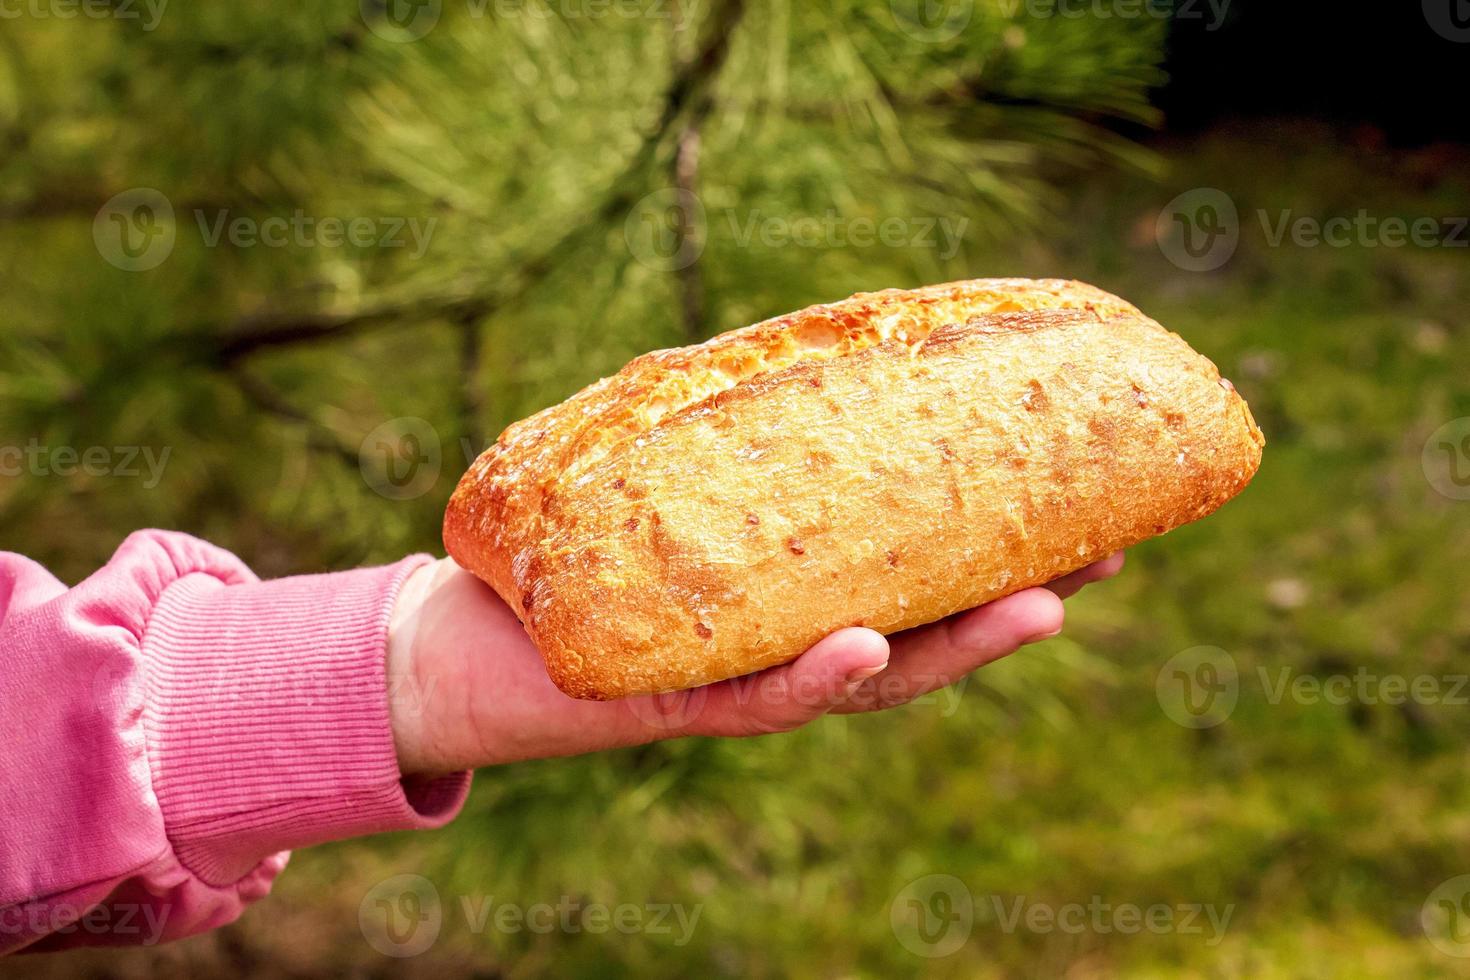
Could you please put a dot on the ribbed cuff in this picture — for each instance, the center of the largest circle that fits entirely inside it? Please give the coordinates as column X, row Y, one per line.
column 266, row 718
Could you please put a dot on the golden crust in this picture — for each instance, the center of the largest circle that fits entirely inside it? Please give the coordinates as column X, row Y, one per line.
column 883, row 461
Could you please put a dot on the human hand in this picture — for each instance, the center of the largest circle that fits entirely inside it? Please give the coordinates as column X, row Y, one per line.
column 467, row 688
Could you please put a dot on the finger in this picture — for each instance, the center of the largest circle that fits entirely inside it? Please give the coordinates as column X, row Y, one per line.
column 1069, row 585
column 787, row 697
column 934, row 656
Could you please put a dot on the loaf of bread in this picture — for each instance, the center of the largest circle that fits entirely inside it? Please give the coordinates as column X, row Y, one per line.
column 883, row 461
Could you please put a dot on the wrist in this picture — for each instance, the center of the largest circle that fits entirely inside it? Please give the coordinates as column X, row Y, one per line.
column 408, row 696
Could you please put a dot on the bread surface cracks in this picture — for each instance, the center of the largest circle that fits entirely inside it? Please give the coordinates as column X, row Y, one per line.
column 814, row 335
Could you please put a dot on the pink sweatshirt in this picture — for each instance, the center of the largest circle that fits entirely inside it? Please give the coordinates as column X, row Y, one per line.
column 170, row 727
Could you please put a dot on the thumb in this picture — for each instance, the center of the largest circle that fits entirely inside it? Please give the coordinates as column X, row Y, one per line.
column 789, row 696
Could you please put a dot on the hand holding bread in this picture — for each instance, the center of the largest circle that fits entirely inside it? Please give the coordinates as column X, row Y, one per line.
column 467, row 688
column 881, row 462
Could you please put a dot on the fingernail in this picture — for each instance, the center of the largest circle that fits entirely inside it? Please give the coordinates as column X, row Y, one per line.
column 856, row 678
column 1040, row 636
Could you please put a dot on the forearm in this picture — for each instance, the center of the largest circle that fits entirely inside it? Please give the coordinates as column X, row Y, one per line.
column 171, row 726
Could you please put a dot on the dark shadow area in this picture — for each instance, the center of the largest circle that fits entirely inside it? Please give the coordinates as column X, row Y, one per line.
column 1400, row 68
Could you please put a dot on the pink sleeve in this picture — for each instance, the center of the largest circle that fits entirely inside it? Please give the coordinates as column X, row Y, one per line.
column 170, row 727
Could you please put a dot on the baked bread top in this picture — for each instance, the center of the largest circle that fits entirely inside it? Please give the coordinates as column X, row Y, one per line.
column 513, row 478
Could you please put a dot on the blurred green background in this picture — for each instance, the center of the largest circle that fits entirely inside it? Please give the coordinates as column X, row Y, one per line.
column 541, row 191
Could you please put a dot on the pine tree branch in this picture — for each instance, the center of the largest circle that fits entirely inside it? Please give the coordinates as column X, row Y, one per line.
column 270, row 51
column 256, row 332
column 686, row 181
column 691, row 276
column 251, row 334
column 319, row 436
